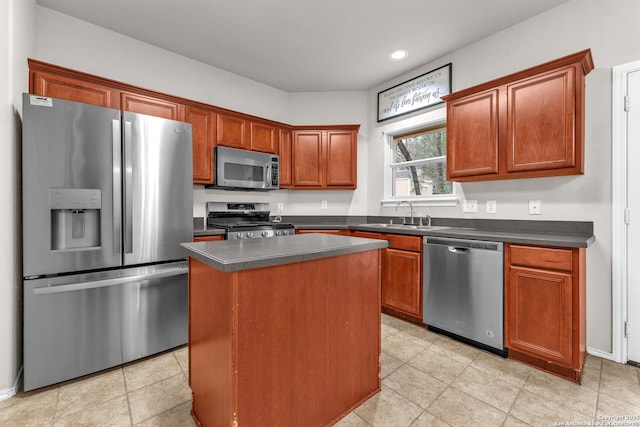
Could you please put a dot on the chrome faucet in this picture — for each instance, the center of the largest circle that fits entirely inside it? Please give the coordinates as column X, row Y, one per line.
column 410, row 205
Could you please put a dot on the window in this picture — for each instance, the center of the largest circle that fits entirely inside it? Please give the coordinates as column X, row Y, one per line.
column 418, row 164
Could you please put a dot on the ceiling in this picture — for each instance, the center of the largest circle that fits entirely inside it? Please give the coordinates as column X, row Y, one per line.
column 303, row 45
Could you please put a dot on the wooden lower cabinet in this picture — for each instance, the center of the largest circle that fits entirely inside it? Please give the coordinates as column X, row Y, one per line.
column 545, row 308
column 341, row 232
column 401, row 284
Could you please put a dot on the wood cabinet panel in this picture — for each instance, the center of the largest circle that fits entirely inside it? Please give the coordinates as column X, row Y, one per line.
column 472, row 135
column 404, row 242
column 69, row 88
column 208, row 238
column 366, row 234
column 545, row 308
column 307, row 159
column 325, row 158
column 525, row 125
column 400, row 281
column 344, row 232
column 264, row 138
column 341, row 164
column 203, row 123
column 231, row 131
column 540, row 312
column 535, row 256
column 541, row 115
column 137, row 103
column 286, row 162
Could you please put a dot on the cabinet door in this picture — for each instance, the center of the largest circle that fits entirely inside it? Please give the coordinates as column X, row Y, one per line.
column 472, row 135
column 203, row 124
column 541, row 119
column 143, row 104
column 341, row 164
column 264, row 138
column 284, row 150
column 401, row 281
column 307, row 159
column 231, row 132
column 540, row 313
column 207, row 238
column 70, row 89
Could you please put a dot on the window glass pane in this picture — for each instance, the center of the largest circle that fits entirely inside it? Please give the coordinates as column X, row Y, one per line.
column 432, row 143
column 422, row 180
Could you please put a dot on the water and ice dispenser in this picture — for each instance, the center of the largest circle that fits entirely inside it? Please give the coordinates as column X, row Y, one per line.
column 75, row 218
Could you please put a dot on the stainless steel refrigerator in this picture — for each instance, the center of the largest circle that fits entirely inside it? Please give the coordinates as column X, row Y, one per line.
column 107, row 198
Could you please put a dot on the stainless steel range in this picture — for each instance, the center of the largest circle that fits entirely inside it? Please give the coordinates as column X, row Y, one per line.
column 245, row 220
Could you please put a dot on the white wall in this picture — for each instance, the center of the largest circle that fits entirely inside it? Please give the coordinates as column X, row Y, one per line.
column 608, row 28
column 17, row 40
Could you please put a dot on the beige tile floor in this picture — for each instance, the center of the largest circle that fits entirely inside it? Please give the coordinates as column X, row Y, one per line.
column 427, row 380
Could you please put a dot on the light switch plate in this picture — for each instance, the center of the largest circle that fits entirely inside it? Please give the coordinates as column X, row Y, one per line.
column 280, row 207
column 491, row 206
column 535, row 207
column 323, row 204
column 470, row 206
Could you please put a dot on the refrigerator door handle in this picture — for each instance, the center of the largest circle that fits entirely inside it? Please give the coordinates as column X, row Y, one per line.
column 108, row 282
column 117, row 184
column 128, row 197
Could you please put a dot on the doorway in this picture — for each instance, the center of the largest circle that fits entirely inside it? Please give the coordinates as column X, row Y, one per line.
column 626, row 199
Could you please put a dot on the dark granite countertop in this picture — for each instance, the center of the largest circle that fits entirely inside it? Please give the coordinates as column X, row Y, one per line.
column 235, row 255
column 572, row 234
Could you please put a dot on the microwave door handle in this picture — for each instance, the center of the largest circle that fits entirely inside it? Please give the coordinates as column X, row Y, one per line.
column 267, row 176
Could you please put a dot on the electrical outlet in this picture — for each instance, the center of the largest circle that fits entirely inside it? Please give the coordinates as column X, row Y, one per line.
column 323, row 204
column 280, row 207
column 535, row 207
column 491, row 206
column 470, row 206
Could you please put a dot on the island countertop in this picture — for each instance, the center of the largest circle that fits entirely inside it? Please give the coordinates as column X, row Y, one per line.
column 236, row 255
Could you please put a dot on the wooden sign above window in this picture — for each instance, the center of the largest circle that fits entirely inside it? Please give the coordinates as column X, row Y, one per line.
column 415, row 94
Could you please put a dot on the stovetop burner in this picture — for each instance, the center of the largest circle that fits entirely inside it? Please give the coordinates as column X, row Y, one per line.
column 245, row 220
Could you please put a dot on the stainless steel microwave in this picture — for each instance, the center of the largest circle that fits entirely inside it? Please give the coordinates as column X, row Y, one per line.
column 236, row 169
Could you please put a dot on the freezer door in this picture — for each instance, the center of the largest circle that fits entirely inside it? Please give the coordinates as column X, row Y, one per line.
column 71, row 186
column 158, row 189
column 79, row 324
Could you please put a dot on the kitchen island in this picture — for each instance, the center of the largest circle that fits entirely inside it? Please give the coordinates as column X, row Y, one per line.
column 283, row 331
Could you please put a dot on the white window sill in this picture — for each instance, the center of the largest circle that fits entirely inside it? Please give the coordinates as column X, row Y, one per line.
column 431, row 201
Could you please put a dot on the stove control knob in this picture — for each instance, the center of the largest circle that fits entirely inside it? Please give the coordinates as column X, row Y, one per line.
column 278, row 232
column 250, row 234
column 240, row 235
column 265, row 233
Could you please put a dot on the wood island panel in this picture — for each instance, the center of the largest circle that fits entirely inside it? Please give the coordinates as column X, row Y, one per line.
column 290, row 345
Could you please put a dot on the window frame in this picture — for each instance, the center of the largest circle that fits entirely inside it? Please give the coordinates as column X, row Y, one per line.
column 422, row 200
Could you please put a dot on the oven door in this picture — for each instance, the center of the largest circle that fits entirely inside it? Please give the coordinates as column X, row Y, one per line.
column 245, row 169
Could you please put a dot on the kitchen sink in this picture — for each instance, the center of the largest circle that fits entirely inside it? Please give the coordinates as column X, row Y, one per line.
column 405, row 226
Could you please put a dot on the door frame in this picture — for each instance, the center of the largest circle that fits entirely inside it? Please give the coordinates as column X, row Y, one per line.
column 619, row 159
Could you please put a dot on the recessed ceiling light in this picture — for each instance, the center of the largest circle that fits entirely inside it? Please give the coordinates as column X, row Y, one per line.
column 398, row 55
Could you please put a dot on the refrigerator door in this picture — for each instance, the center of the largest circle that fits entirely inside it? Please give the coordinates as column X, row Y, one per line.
column 158, row 192
column 79, row 324
column 71, row 186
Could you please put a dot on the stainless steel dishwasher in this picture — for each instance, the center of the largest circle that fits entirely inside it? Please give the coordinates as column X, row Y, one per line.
column 463, row 290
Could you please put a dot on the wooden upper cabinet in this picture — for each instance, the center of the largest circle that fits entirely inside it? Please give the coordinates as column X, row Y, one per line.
column 525, row 125
column 341, row 158
column 472, row 135
column 284, row 151
column 203, row 123
column 264, row 138
column 232, row 131
column 143, row 104
column 325, row 158
column 69, row 88
column 541, row 119
column 307, row 156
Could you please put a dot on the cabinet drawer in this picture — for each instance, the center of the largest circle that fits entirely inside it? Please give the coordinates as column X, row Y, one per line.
column 366, row 234
column 408, row 243
column 531, row 256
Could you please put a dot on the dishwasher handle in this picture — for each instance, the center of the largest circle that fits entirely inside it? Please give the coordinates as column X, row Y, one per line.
column 458, row 250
